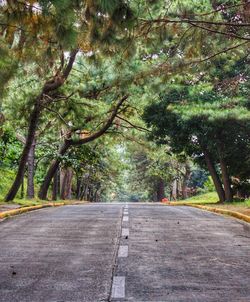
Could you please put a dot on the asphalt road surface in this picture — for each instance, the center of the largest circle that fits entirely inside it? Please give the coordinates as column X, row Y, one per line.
column 115, row 252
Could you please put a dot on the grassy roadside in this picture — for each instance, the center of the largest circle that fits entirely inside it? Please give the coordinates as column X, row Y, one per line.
column 211, row 201
column 203, row 199
column 7, row 177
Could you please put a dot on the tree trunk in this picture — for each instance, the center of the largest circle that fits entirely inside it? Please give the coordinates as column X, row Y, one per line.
column 49, row 86
column 78, row 186
column 84, row 194
column 177, row 189
column 55, row 190
column 174, row 190
column 47, row 180
column 214, row 175
column 185, row 181
column 23, row 159
column 31, row 171
column 88, row 193
column 225, row 175
column 52, row 169
column 226, row 181
column 22, row 189
column 160, row 189
column 95, row 195
column 67, row 184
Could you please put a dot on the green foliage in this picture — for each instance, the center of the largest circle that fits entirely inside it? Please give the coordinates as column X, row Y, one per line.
column 127, row 47
column 6, row 180
column 207, row 198
column 204, row 115
column 8, row 67
column 209, row 185
column 7, row 176
column 198, row 178
column 10, row 149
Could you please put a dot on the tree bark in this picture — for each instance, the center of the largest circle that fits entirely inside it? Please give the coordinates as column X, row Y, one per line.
column 55, row 190
column 214, row 175
column 225, row 175
column 24, row 156
column 174, row 189
column 67, row 184
column 52, row 170
column 95, row 195
column 22, row 189
column 226, row 181
column 31, row 171
column 78, row 186
column 81, row 188
column 185, row 181
column 160, row 189
column 86, row 192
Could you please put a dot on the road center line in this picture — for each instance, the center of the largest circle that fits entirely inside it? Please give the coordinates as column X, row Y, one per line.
column 125, row 218
column 118, row 287
column 125, row 232
column 123, row 251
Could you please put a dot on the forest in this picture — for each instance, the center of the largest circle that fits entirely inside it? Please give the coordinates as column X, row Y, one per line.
column 124, row 100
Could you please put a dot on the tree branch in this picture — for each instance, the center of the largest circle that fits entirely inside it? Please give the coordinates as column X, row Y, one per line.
column 219, row 32
column 105, row 126
column 190, row 63
column 196, row 22
column 132, row 125
column 58, row 114
column 59, row 79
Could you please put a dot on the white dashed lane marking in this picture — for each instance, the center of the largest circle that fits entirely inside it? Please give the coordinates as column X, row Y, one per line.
column 123, row 251
column 125, row 232
column 118, row 287
column 125, row 218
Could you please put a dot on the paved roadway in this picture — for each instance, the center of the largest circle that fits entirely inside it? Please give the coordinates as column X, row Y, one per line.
column 114, row 252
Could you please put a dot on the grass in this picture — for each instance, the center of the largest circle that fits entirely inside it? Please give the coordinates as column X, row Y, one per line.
column 211, row 200
column 6, row 179
column 207, row 198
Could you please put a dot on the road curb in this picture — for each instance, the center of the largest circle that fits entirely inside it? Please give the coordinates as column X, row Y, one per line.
column 224, row 212
column 22, row 210
column 234, row 214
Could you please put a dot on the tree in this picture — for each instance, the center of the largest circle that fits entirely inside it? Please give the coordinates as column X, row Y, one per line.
column 68, row 142
column 62, row 23
column 67, row 62
column 200, row 124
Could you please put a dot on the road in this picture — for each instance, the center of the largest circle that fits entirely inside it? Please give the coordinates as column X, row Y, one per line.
column 117, row 252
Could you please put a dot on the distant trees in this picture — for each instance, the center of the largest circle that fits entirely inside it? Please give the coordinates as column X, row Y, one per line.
column 210, row 127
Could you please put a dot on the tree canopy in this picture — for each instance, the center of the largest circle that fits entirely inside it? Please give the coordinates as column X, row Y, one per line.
column 120, row 99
